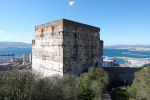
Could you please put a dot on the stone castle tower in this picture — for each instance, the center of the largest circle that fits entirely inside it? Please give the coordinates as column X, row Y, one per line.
column 64, row 46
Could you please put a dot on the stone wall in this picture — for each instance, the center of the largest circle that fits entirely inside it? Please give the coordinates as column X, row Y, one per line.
column 121, row 75
column 47, row 51
column 64, row 46
column 82, row 47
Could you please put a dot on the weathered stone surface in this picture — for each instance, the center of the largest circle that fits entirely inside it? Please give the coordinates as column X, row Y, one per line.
column 65, row 46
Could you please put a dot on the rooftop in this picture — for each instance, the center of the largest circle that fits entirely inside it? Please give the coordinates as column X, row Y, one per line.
column 66, row 21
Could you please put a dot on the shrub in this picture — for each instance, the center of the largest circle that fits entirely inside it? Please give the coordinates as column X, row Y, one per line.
column 27, row 86
column 93, row 83
column 85, row 92
column 16, row 86
column 140, row 89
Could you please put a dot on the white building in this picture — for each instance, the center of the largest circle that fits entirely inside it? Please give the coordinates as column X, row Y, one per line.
column 108, row 62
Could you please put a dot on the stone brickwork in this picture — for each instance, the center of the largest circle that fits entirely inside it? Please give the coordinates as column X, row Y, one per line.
column 65, row 46
column 124, row 76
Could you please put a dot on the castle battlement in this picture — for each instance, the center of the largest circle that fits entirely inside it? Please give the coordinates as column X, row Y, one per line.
column 64, row 46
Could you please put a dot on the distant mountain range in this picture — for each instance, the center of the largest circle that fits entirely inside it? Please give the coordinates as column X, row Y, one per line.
column 28, row 45
column 14, row 45
column 127, row 46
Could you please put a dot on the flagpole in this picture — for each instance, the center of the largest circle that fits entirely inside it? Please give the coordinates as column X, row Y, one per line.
column 68, row 9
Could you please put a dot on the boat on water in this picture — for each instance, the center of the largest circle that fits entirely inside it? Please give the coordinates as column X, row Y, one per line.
column 8, row 54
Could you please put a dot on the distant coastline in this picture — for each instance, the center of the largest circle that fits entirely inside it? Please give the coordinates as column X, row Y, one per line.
column 131, row 56
column 142, row 48
column 14, row 45
column 18, row 52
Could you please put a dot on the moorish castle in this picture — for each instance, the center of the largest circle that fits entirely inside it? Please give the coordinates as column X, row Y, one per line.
column 66, row 47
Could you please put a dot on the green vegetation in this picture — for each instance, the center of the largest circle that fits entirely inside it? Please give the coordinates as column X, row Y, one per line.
column 140, row 89
column 92, row 84
column 26, row 86
column 120, row 93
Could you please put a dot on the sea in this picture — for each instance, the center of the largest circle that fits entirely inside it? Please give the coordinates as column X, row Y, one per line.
column 19, row 52
column 118, row 53
column 109, row 52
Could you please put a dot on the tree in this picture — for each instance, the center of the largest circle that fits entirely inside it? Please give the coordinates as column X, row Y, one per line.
column 16, row 86
column 28, row 86
column 92, row 84
column 141, row 85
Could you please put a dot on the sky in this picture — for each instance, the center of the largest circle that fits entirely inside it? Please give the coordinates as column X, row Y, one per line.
column 121, row 21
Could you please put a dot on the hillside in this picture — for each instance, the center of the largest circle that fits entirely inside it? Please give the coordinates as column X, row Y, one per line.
column 127, row 46
column 14, row 45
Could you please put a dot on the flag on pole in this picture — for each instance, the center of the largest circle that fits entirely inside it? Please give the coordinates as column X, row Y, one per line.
column 71, row 3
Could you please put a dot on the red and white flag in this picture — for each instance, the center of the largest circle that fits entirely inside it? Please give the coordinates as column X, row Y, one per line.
column 71, row 3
